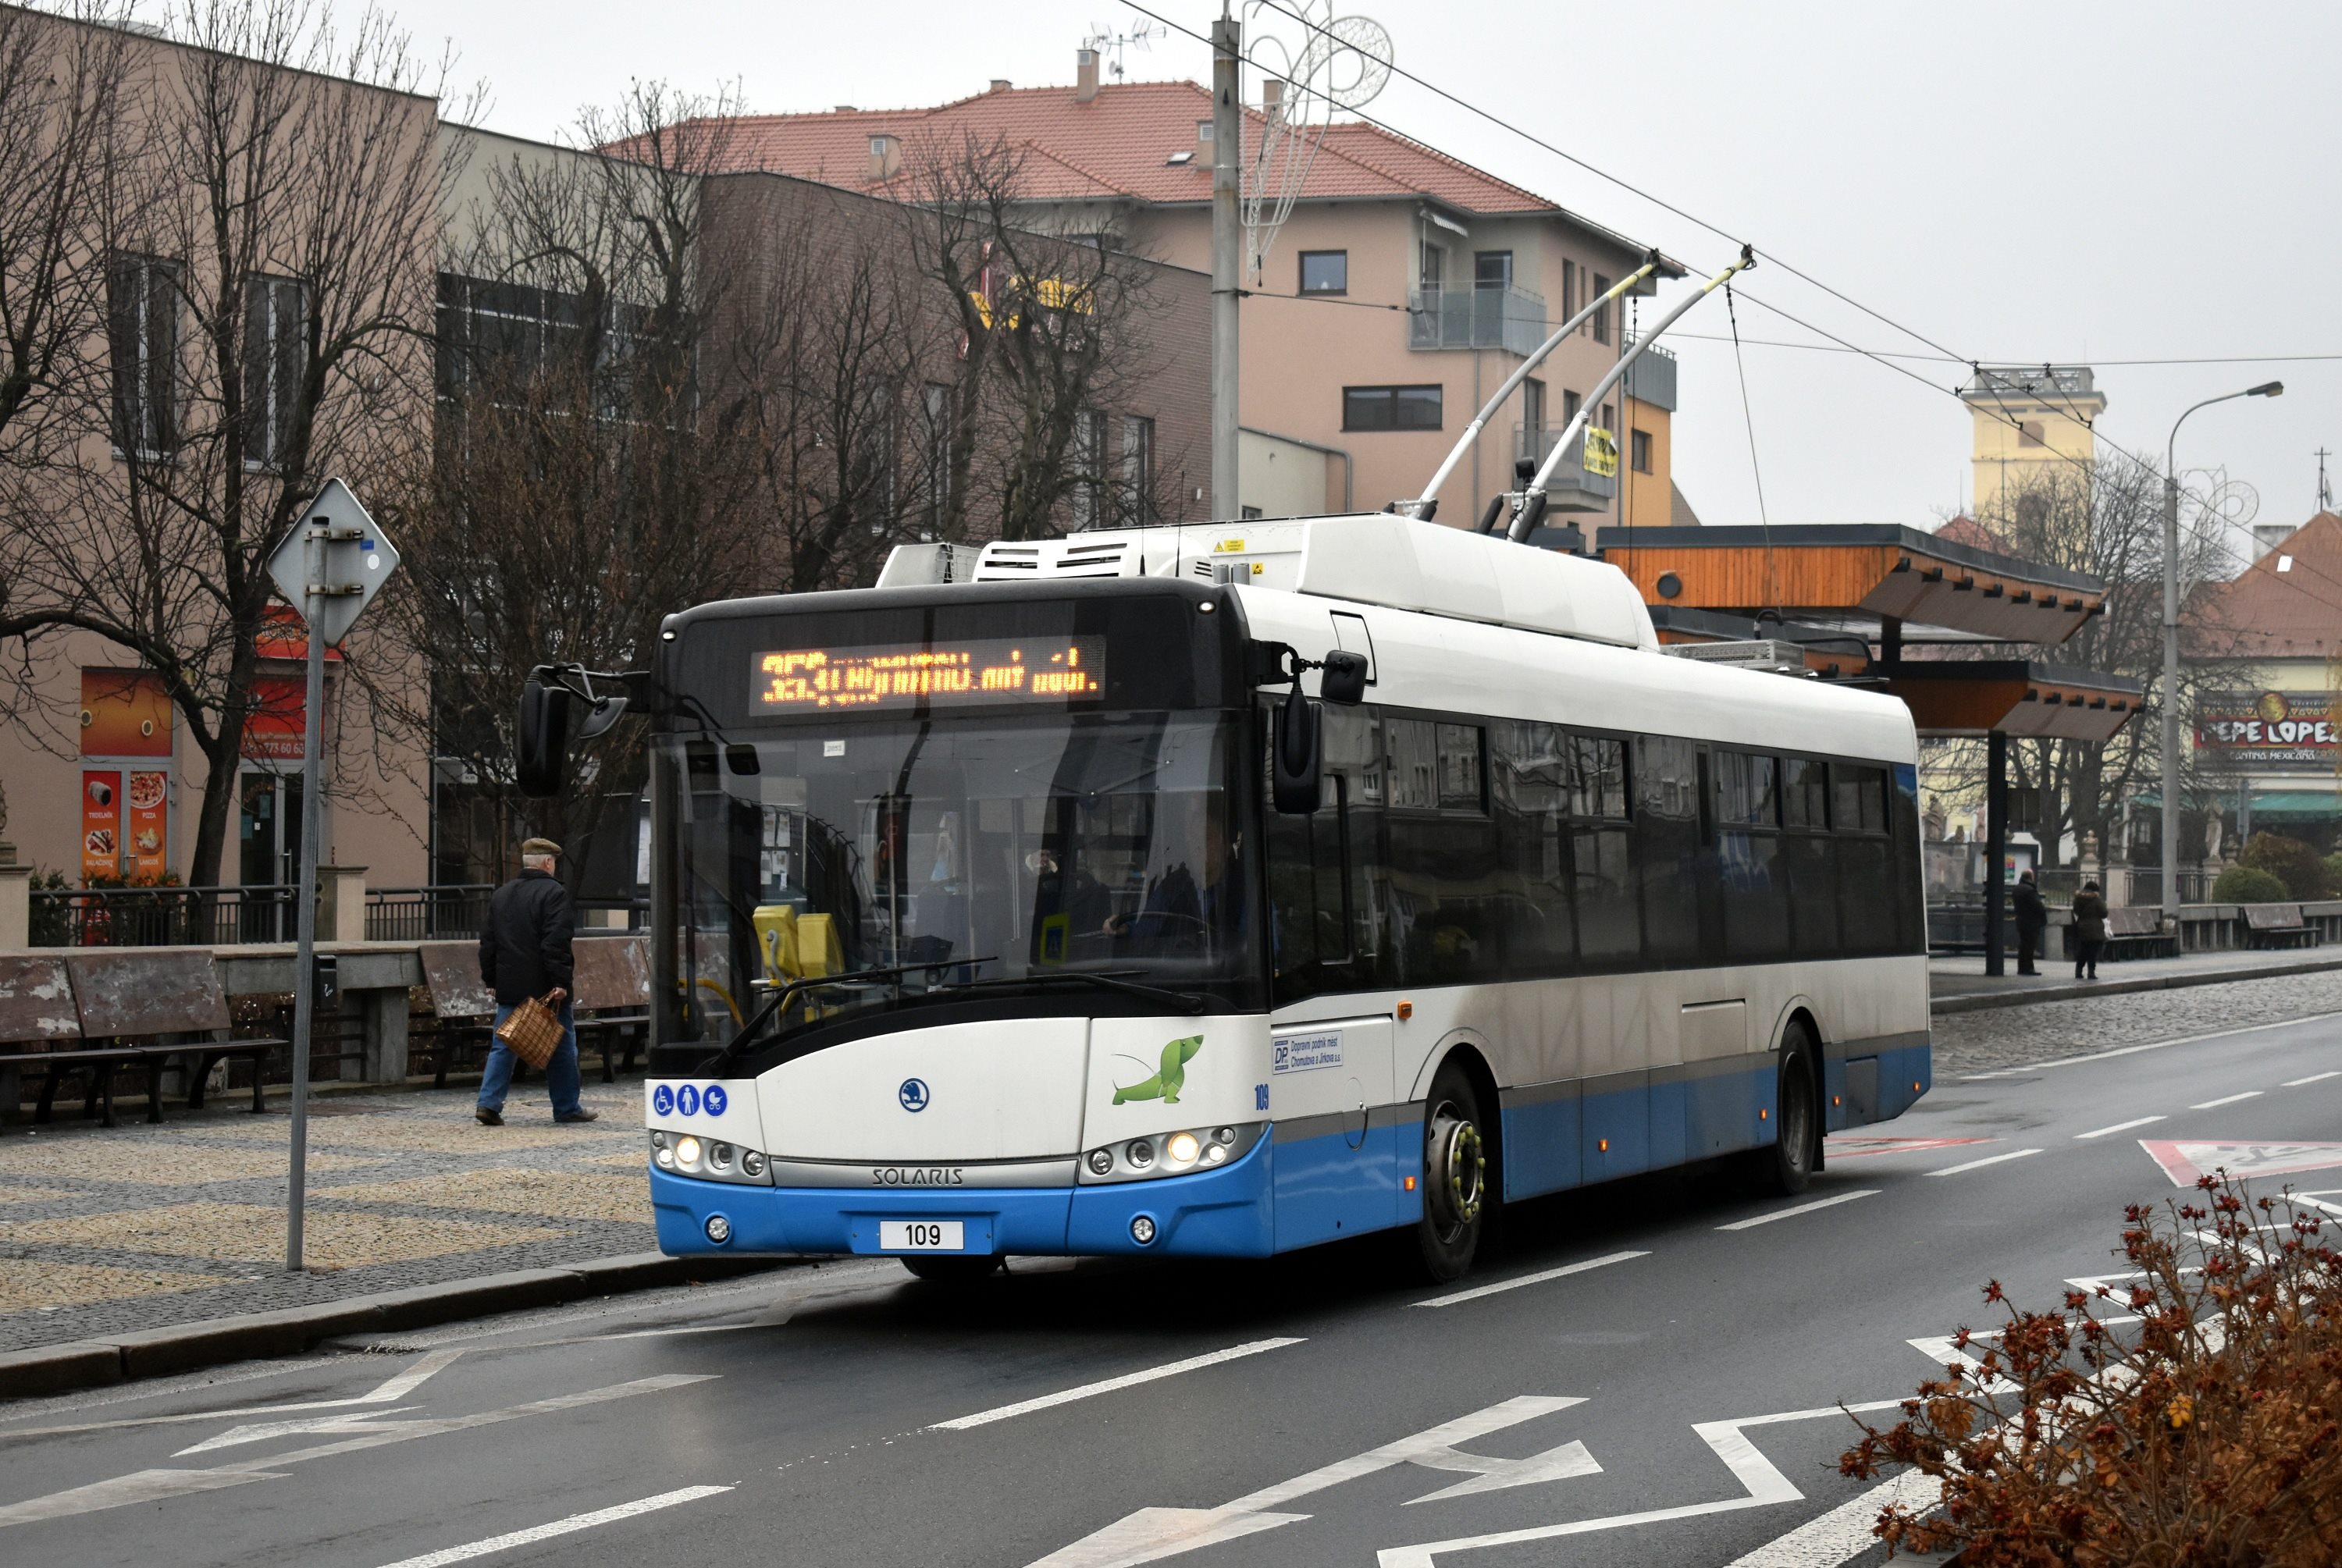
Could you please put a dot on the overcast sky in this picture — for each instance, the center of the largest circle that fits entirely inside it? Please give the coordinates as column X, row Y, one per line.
column 2017, row 181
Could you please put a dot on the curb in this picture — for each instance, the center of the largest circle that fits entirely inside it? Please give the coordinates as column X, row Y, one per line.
column 1985, row 1001
column 106, row 1359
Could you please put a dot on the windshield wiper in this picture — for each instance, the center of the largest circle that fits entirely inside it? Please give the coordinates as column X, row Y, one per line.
column 779, row 999
column 1112, row 980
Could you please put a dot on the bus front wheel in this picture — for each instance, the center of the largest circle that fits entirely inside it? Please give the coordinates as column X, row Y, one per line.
column 1787, row 1166
column 1454, row 1176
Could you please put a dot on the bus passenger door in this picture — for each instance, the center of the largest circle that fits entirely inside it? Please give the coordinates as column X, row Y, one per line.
column 1336, row 1136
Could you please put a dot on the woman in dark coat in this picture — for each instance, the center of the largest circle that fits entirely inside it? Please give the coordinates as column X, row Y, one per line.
column 2089, row 930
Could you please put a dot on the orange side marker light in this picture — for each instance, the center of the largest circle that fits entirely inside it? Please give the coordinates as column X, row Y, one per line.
column 1411, row 1184
column 1407, row 1011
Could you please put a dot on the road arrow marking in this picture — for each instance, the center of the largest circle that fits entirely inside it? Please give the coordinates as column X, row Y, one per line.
column 390, row 1393
column 2187, row 1161
column 1153, row 1533
column 1845, row 1530
column 261, row 1430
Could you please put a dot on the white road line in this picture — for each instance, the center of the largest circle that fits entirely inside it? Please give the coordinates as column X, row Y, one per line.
column 575, row 1522
column 397, row 1388
column 1801, row 1209
column 2119, row 1126
column 2313, row 1078
column 1129, row 1379
column 2226, row 1100
column 1845, row 1532
column 1476, row 1291
column 1980, row 1165
column 2150, row 1045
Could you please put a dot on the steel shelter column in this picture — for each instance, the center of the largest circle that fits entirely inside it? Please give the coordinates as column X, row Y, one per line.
column 1995, row 846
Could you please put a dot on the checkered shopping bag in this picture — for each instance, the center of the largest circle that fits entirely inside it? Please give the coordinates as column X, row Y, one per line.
column 533, row 1030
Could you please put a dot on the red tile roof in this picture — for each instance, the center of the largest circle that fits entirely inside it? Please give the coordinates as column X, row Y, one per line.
column 2269, row 613
column 1118, row 145
column 1977, row 535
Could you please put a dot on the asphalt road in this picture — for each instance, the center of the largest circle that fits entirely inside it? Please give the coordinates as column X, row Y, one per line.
column 1638, row 1376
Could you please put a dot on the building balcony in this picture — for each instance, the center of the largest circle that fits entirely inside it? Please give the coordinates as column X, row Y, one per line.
column 1651, row 378
column 1572, row 488
column 1512, row 319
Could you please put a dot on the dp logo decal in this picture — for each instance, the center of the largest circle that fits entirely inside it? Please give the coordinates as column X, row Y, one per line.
column 913, row 1095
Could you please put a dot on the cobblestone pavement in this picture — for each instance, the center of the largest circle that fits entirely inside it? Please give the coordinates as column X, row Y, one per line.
column 137, row 1226
column 2020, row 1036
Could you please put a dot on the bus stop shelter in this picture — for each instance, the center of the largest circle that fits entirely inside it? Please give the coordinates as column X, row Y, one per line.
column 1929, row 620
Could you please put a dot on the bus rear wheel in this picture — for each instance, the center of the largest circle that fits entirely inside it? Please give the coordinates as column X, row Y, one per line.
column 1454, row 1176
column 1787, row 1166
column 947, row 1268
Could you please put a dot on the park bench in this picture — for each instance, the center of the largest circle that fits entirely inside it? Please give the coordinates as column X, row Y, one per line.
column 2136, row 933
column 2278, row 926
column 609, row 1003
column 137, row 1008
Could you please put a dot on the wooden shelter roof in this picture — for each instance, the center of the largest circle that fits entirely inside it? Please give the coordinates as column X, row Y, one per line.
column 2018, row 697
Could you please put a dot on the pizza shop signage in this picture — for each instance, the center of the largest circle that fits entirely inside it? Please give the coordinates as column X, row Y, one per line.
column 2289, row 731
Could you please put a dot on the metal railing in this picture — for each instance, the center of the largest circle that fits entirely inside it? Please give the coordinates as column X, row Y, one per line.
column 2141, row 887
column 161, row 916
column 1506, row 318
column 1651, row 378
column 426, row 914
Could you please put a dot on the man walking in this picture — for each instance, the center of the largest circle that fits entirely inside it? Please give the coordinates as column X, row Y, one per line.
column 2089, row 930
column 2032, row 919
column 524, row 953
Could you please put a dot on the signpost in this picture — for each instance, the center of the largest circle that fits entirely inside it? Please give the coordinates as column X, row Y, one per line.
column 332, row 564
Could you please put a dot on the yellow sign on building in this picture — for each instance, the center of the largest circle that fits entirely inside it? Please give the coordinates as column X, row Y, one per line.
column 1601, row 453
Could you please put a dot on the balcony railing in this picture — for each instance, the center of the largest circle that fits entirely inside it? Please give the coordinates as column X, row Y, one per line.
column 1572, row 488
column 1651, row 378
column 426, row 914
column 161, row 916
column 1508, row 318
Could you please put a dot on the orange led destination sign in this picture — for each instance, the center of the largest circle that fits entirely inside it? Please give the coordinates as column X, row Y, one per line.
column 986, row 670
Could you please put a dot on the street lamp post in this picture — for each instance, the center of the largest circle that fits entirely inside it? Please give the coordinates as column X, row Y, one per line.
column 2171, row 648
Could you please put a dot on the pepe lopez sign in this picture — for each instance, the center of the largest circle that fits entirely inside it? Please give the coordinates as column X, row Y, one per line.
column 2290, row 731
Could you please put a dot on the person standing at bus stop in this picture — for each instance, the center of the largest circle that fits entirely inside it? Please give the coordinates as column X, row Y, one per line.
column 2032, row 919
column 525, row 952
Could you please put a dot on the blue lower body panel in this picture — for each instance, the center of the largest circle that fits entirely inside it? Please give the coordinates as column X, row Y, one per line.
column 1209, row 1214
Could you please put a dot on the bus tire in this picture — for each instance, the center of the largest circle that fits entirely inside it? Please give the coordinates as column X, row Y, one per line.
column 947, row 1268
column 1785, row 1169
column 1456, row 1185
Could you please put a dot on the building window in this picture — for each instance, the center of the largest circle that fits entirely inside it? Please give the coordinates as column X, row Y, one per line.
column 1568, row 290
column 275, row 357
column 1602, row 313
column 1138, row 468
column 1533, row 407
column 937, row 404
column 143, row 332
column 2029, row 433
column 1641, row 452
column 1435, row 267
column 1492, row 269
column 1391, row 407
column 1249, row 514
column 1569, row 402
column 1089, row 467
column 1325, row 272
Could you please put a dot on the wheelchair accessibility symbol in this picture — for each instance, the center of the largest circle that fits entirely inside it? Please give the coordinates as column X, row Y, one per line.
column 663, row 1100
column 913, row 1095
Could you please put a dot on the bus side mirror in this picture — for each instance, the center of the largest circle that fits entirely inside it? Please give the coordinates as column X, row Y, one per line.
column 1344, row 679
column 541, row 740
column 1296, row 754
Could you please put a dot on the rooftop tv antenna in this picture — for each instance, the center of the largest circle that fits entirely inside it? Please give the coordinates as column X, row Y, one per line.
column 1338, row 63
column 1110, row 43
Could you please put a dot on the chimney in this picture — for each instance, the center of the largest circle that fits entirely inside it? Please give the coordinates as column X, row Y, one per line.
column 886, row 158
column 1000, row 84
column 1271, row 94
column 1084, row 76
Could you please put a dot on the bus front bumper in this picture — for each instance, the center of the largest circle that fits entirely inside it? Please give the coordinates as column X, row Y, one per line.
column 1204, row 1213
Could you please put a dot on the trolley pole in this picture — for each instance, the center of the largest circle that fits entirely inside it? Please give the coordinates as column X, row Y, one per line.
column 1227, row 270
column 304, row 893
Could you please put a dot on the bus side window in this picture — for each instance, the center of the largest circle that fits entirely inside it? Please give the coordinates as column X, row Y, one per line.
column 1667, row 847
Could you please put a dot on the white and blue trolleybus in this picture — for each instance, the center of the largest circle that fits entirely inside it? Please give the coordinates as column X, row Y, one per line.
column 1227, row 890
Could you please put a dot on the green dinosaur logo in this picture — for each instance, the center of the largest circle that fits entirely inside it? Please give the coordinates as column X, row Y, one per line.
column 1169, row 1078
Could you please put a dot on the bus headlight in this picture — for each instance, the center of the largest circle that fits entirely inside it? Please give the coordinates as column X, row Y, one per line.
column 687, row 1151
column 719, row 1156
column 710, row 1160
column 1170, row 1154
column 752, row 1163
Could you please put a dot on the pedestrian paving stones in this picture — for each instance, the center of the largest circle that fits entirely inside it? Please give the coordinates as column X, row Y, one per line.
column 2020, row 1036
column 113, row 1229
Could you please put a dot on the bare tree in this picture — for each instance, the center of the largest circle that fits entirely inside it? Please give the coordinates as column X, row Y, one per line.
column 266, row 269
column 590, row 475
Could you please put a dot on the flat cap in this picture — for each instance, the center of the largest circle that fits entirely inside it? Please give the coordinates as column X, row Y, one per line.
column 536, row 846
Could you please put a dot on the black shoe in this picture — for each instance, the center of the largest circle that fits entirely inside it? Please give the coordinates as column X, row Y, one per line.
column 580, row 1116
column 487, row 1118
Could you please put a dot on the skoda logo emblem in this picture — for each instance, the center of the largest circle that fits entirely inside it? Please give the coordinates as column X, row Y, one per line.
column 715, row 1100
column 913, row 1094
column 663, row 1100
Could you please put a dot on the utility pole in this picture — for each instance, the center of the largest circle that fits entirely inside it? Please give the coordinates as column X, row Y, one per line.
column 1227, row 239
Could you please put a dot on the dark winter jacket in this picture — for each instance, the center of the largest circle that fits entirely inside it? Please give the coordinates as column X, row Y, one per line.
column 525, row 949
column 2089, row 917
column 2032, row 914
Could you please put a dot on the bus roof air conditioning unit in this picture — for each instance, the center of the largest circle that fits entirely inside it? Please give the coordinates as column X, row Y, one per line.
column 1026, row 560
column 1775, row 654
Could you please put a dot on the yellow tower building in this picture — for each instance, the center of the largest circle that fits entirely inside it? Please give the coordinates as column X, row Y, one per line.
column 2027, row 415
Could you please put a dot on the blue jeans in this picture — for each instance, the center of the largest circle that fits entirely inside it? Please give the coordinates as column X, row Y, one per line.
column 560, row 1073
